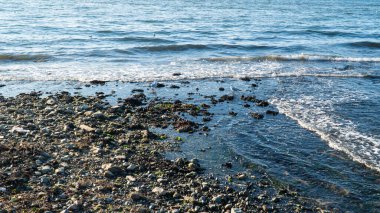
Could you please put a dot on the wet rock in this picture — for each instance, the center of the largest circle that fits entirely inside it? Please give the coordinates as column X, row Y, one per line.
column 256, row 115
column 98, row 82
column 205, row 129
column 262, row 103
column 275, row 199
column 185, row 126
column 137, row 91
column 131, row 167
column 45, row 180
column 228, row 165
column 18, row 129
column 206, row 119
column 221, row 89
column 248, row 98
column 130, row 178
column 226, row 98
column 51, row 101
column 68, row 127
column 245, row 78
column 87, row 128
column 271, row 112
column 191, row 175
column 99, row 115
column 60, row 170
column 160, row 85
column 136, row 196
column 193, row 166
column 133, row 101
column 241, row 176
column 115, row 170
column 160, row 191
column 236, row 210
column 45, row 169
column 232, row 113
column 140, row 209
column 76, row 206
column 218, row 199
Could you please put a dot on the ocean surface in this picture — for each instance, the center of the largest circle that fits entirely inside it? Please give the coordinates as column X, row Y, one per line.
column 318, row 61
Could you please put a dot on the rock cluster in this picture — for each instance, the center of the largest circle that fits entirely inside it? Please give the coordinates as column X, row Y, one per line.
column 65, row 153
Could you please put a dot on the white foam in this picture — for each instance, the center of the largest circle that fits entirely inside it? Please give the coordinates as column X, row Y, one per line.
column 296, row 57
column 340, row 134
column 151, row 72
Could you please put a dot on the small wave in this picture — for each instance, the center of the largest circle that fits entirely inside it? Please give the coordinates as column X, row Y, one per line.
column 108, row 32
column 163, row 48
column 185, row 47
column 367, row 44
column 143, row 39
column 300, row 57
column 24, row 57
column 323, row 75
column 329, row 33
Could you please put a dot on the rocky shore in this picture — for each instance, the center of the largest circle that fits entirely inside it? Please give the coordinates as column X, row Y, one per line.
column 70, row 153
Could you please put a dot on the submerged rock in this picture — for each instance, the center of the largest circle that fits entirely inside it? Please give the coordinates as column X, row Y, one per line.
column 256, row 115
column 271, row 112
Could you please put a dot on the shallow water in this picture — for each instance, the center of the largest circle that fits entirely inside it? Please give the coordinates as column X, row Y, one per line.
column 319, row 63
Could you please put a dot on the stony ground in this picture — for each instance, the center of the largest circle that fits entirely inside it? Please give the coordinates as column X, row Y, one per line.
column 65, row 153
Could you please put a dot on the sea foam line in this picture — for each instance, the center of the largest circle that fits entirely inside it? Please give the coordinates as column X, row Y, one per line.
column 356, row 138
column 299, row 57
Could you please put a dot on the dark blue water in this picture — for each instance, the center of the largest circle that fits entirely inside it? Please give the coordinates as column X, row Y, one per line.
column 319, row 61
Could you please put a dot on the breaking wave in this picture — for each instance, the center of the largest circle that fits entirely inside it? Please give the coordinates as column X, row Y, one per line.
column 24, row 57
column 300, row 57
column 367, row 44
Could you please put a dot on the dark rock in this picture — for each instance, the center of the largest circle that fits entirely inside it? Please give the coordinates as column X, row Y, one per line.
column 97, row 82
column 136, row 196
column 232, row 113
column 185, row 126
column 226, row 98
column 256, row 115
column 68, row 127
column 271, row 112
column 221, row 88
column 205, row 129
column 135, row 100
column 262, row 103
column 137, row 91
column 227, row 165
column 160, row 85
column 245, row 78
column 248, row 98
column 206, row 119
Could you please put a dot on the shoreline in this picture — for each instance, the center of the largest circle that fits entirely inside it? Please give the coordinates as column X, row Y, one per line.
column 81, row 147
